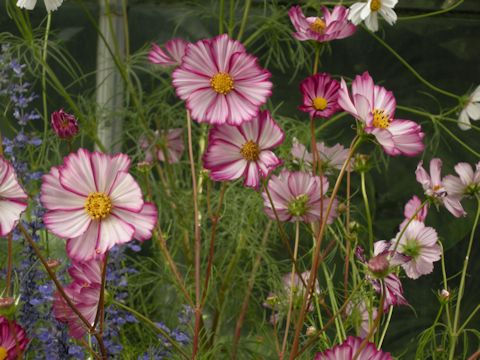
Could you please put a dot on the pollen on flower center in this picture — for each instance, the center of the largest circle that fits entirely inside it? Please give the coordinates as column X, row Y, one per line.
column 319, row 103
column 3, row 353
column 381, row 119
column 299, row 205
column 375, row 5
column 222, row 83
column 318, row 26
column 250, row 151
column 98, row 205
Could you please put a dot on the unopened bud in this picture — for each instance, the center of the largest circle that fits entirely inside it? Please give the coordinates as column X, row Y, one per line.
column 353, row 226
column 445, row 295
column 53, row 264
column 361, row 163
column 311, row 331
column 144, row 166
column 379, row 265
column 7, row 306
column 341, row 208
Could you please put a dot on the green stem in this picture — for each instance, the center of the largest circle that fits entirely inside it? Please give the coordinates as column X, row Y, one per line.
column 246, row 10
column 385, row 328
column 456, row 138
column 367, row 211
column 44, row 84
column 410, row 68
column 433, row 13
column 318, row 47
column 153, row 325
column 221, row 15
column 231, row 19
column 470, row 317
column 456, row 319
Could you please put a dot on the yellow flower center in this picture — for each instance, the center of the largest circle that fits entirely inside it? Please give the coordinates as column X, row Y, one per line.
column 318, row 26
column 98, row 205
column 222, row 83
column 250, row 151
column 375, row 5
column 3, row 353
column 381, row 119
column 319, row 103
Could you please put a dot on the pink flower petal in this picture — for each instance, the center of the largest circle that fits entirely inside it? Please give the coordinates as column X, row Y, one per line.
column 125, row 192
column 144, row 221
column 67, row 224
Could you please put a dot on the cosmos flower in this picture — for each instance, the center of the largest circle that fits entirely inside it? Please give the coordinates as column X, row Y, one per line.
column 64, row 125
column 175, row 49
column 361, row 316
column 334, row 25
column 435, row 188
column 13, row 199
column 220, row 82
column 470, row 111
column 419, row 242
column 331, row 157
column 94, row 203
column 172, row 143
column 244, row 151
column 296, row 197
column 349, row 349
column 86, row 273
column 375, row 107
column 13, row 339
column 368, row 12
column 50, row 5
column 467, row 183
column 411, row 208
column 320, row 95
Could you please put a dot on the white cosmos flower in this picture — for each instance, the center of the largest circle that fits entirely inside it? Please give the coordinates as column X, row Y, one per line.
column 470, row 111
column 51, row 5
column 368, row 12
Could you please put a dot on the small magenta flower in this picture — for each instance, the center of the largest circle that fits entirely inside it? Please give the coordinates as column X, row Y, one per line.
column 64, row 124
column 173, row 54
column 435, row 188
column 244, row 151
column 334, row 25
column 320, row 96
column 467, row 183
column 221, row 83
column 13, row 199
column 296, row 197
column 375, row 107
column 13, row 339
column 349, row 349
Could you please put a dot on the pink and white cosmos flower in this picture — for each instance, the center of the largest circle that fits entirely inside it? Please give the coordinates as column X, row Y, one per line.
column 411, row 208
column 334, row 25
column 94, row 202
column 172, row 144
column 13, row 339
column 296, row 196
column 348, row 350
column 173, row 54
column 331, row 157
column 419, row 242
column 13, row 199
column 320, row 96
column 375, row 107
column 467, row 183
column 435, row 188
column 220, row 82
column 243, row 151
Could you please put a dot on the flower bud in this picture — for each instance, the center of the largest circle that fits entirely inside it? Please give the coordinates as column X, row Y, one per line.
column 144, row 166
column 7, row 306
column 379, row 265
column 311, row 331
column 64, row 124
column 444, row 295
column 53, row 264
column 362, row 163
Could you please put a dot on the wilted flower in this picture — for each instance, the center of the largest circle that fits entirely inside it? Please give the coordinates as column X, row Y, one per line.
column 296, row 197
column 435, row 188
column 471, row 110
column 13, row 339
column 369, row 11
column 64, row 124
column 220, row 82
column 332, row 26
column 348, row 350
column 175, row 49
column 50, row 5
column 13, row 199
column 244, row 151
column 467, row 183
column 419, row 242
column 95, row 203
column 320, row 95
column 375, row 107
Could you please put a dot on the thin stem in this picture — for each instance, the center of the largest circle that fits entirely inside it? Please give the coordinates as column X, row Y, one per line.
column 316, row 61
column 410, row 68
column 385, row 328
column 355, row 143
column 221, row 15
column 44, row 84
column 8, row 278
column 348, row 245
column 198, row 243
column 292, row 288
column 99, row 317
column 246, row 10
column 433, row 13
column 461, row 290
column 367, row 210
column 153, row 325
column 470, row 317
column 456, row 138
column 231, row 19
